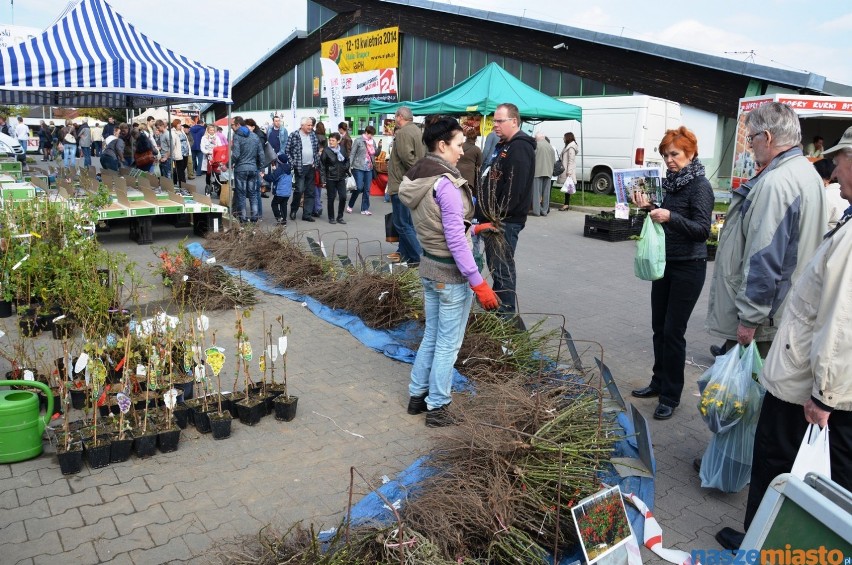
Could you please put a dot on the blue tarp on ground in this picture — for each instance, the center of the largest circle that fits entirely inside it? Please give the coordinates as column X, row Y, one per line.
column 371, row 507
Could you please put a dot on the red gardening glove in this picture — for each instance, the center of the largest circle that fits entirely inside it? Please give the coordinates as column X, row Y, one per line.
column 487, row 226
column 486, row 296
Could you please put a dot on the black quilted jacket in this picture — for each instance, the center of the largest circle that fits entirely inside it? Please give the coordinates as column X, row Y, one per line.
column 689, row 226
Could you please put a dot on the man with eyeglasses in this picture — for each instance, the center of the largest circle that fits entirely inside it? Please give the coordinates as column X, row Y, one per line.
column 504, row 200
column 774, row 225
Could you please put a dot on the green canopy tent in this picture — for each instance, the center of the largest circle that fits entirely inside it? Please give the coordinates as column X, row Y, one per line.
column 481, row 93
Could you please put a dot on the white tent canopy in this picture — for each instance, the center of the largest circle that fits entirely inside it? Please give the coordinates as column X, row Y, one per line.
column 93, row 57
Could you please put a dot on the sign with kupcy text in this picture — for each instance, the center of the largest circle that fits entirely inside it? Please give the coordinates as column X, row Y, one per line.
column 360, row 88
column 364, row 52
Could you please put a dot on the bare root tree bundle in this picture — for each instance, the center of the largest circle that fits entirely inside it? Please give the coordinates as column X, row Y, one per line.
column 494, row 349
column 497, row 476
column 303, row 546
column 381, row 300
column 210, row 287
column 251, row 250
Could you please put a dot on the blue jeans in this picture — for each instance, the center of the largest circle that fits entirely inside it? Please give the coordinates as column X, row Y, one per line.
column 69, row 154
column 197, row 158
column 363, row 180
column 447, row 307
column 500, row 256
column 409, row 248
column 166, row 168
column 87, row 156
column 245, row 186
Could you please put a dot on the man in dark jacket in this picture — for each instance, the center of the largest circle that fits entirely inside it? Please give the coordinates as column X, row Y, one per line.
column 196, row 132
column 504, row 200
column 109, row 128
column 247, row 158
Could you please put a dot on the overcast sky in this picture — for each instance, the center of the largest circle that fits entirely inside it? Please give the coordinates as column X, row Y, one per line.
column 789, row 34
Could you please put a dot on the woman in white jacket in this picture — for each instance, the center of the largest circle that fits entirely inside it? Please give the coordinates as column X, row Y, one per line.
column 568, row 178
column 180, row 158
column 208, row 142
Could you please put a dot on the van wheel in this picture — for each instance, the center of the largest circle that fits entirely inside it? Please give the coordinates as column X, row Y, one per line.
column 602, row 183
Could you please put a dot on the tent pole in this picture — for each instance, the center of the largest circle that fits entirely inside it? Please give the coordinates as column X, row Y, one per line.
column 582, row 167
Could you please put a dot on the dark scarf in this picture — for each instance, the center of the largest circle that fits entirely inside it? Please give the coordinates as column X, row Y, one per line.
column 675, row 180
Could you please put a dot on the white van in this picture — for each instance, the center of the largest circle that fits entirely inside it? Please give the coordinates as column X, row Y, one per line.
column 11, row 147
column 618, row 132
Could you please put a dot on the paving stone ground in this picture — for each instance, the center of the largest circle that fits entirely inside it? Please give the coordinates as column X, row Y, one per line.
column 176, row 507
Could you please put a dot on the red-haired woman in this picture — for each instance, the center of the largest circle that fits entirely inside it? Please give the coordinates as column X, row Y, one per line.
column 685, row 215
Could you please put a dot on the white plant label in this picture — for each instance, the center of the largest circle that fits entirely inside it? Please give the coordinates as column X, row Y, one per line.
column 282, row 344
column 200, row 373
column 202, row 323
column 141, row 370
column 21, row 262
column 170, row 398
column 28, row 375
column 272, row 352
column 210, row 261
column 81, row 363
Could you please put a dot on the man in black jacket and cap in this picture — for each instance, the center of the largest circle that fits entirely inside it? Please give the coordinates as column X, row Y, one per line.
column 504, row 201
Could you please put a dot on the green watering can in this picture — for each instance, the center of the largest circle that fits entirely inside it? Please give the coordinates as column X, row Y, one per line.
column 20, row 424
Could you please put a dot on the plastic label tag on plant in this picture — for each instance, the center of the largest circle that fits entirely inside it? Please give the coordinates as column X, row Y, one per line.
column 244, row 350
column 216, row 359
column 200, row 373
column 272, row 352
column 81, row 363
column 123, row 402
column 170, row 398
column 141, row 370
column 261, row 362
column 202, row 323
column 282, row 344
column 28, row 375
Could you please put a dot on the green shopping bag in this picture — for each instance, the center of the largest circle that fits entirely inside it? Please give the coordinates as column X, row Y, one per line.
column 650, row 261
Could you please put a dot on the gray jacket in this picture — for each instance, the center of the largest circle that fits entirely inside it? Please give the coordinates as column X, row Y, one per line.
column 248, row 152
column 774, row 224
column 84, row 135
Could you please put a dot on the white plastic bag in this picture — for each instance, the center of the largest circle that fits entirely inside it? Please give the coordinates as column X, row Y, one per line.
column 814, row 455
column 568, row 187
column 350, row 184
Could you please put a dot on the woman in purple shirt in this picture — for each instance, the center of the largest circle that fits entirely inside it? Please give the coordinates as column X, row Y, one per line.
column 441, row 206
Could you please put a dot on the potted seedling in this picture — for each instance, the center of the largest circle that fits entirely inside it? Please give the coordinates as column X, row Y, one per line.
column 250, row 409
column 97, row 447
column 220, row 420
column 285, row 403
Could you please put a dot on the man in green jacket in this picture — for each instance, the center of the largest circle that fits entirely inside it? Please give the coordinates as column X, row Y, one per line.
column 407, row 149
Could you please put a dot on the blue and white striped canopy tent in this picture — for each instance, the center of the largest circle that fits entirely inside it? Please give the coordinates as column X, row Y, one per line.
column 93, row 57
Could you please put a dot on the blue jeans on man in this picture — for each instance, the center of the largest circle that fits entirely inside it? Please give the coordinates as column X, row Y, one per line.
column 246, row 186
column 69, row 155
column 303, row 186
column 87, row 156
column 447, row 307
column 500, row 256
column 197, row 158
column 409, row 248
column 166, row 168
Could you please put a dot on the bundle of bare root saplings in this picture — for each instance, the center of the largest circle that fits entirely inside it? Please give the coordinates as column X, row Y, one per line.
column 504, row 479
column 200, row 285
column 380, row 299
column 495, row 350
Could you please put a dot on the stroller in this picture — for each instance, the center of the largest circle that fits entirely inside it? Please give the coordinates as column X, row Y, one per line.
column 218, row 169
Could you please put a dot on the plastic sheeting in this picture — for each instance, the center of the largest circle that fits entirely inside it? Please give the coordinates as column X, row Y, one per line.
column 371, row 508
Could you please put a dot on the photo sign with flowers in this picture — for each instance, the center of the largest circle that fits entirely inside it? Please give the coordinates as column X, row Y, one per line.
column 603, row 527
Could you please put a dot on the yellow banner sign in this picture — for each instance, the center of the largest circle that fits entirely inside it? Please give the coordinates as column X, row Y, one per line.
column 365, row 52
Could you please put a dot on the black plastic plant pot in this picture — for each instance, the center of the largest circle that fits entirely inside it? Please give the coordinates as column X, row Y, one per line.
column 78, row 396
column 63, row 329
column 57, row 404
column 145, row 445
column 167, row 440
column 181, row 414
column 202, row 420
column 121, row 449
column 5, row 308
column 220, row 424
column 251, row 410
column 185, row 390
column 285, row 407
column 70, row 460
column 29, row 326
column 230, row 399
column 97, row 455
